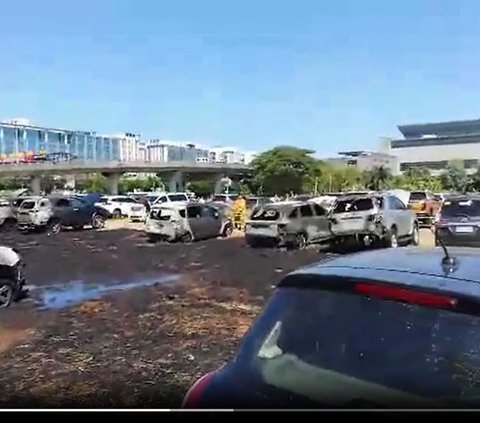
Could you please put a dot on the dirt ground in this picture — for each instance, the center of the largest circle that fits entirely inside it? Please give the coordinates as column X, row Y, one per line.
column 142, row 346
column 114, row 321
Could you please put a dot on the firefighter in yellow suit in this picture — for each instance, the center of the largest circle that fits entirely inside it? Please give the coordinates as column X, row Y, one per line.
column 239, row 209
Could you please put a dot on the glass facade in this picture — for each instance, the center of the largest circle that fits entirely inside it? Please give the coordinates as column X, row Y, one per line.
column 17, row 141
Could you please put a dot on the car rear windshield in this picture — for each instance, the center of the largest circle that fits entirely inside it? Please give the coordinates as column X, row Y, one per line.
column 162, row 214
column 265, row 214
column 334, row 346
column 466, row 207
column 177, row 197
column 359, row 204
column 28, row 205
column 418, row 196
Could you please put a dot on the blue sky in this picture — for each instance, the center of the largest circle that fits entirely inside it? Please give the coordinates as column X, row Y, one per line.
column 326, row 75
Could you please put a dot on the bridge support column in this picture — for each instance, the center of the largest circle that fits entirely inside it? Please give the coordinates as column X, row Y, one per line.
column 35, row 185
column 176, row 182
column 219, row 178
column 70, row 182
column 112, row 182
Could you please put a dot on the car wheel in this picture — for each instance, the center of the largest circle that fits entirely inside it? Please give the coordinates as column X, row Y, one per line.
column 98, row 222
column 392, row 238
column 300, row 241
column 187, row 237
column 152, row 238
column 227, row 231
column 53, row 227
column 415, row 235
column 7, row 293
column 117, row 214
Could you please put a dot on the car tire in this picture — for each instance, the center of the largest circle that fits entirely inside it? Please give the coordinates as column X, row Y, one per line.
column 391, row 240
column 53, row 227
column 227, row 231
column 151, row 238
column 117, row 214
column 415, row 239
column 300, row 241
column 186, row 238
column 98, row 221
column 7, row 293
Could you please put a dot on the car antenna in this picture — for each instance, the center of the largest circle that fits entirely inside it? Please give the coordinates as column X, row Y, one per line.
column 448, row 262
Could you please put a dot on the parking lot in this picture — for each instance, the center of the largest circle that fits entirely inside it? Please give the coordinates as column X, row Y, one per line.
column 112, row 320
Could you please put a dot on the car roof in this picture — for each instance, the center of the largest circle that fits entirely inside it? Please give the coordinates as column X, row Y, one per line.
column 416, row 266
column 463, row 198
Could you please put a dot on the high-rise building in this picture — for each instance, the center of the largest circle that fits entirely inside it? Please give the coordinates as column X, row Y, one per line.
column 19, row 139
column 129, row 146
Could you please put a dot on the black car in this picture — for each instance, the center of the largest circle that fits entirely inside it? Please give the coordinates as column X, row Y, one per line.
column 377, row 329
column 459, row 222
column 77, row 213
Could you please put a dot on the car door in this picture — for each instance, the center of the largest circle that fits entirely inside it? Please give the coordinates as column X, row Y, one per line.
column 308, row 222
column 321, row 222
column 63, row 210
column 393, row 215
column 405, row 216
column 211, row 221
column 194, row 218
column 81, row 212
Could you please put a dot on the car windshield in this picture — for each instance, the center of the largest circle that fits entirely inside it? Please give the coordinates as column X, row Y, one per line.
column 177, row 197
column 28, row 205
column 470, row 208
column 335, row 347
column 418, row 196
column 265, row 214
column 358, row 204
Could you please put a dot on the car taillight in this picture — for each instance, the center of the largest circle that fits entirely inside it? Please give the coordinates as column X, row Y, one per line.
column 424, row 205
column 194, row 395
column 405, row 295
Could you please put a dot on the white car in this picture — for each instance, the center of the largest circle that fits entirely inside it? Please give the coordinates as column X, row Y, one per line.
column 119, row 205
column 137, row 213
column 171, row 197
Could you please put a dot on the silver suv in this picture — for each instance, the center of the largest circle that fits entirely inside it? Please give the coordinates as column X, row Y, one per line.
column 292, row 224
column 374, row 219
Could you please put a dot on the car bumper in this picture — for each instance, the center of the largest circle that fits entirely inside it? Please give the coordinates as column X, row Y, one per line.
column 458, row 240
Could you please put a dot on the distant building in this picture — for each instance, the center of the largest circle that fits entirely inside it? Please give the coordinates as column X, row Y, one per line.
column 19, row 140
column 129, row 146
column 173, row 151
column 226, row 155
column 434, row 145
column 365, row 160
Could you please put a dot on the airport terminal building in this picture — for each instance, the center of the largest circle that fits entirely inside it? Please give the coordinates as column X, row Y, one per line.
column 434, row 145
column 19, row 140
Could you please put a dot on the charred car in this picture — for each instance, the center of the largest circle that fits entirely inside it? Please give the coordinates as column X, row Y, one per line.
column 378, row 219
column 291, row 224
column 12, row 278
column 51, row 214
column 186, row 222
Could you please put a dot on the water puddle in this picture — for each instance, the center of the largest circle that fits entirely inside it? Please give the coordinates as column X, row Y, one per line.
column 54, row 297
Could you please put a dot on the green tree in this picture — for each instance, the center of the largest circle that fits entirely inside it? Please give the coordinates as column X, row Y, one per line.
column 455, row 178
column 201, row 188
column 95, row 183
column 284, row 169
column 377, row 178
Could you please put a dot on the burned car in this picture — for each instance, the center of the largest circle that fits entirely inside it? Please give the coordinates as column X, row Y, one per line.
column 379, row 219
column 186, row 222
column 12, row 278
column 292, row 224
column 51, row 214
column 7, row 215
